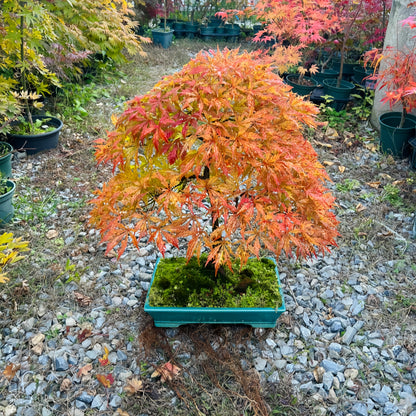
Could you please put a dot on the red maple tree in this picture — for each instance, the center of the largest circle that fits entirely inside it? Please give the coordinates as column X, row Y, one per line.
column 215, row 155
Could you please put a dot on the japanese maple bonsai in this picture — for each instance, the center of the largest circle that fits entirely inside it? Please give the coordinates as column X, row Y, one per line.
column 214, row 158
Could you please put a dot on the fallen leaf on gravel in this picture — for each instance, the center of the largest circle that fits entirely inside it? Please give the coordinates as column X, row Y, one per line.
column 65, row 385
column 52, row 234
column 327, row 163
column 122, row 412
column 104, row 360
column 37, row 349
column 397, row 183
column 166, row 371
column 10, row 371
column 83, row 335
column 360, row 207
column 331, row 133
column 83, row 371
column 133, row 386
column 21, row 290
column 341, row 169
column 318, row 373
column 374, row 184
column 322, row 144
column 82, row 300
column 37, row 339
column 105, row 380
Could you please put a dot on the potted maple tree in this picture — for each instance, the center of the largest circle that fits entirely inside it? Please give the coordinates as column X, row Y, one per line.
column 397, row 77
column 163, row 35
column 213, row 160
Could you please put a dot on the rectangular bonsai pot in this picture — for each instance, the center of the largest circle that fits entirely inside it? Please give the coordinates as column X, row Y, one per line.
column 175, row 316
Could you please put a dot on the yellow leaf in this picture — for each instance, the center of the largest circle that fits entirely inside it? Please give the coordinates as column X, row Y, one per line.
column 122, row 412
column 327, row 163
column 341, row 169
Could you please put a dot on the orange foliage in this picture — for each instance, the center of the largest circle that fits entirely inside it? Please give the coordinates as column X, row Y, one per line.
column 292, row 25
column 221, row 139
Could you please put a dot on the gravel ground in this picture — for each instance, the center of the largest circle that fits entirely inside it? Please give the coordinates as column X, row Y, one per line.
column 345, row 346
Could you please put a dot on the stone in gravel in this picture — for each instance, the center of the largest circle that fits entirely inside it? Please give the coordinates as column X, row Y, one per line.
column 274, row 377
column 305, row 332
column 97, row 402
column 80, row 405
column 332, row 397
column 357, row 307
column 307, row 387
column 359, row 409
column 336, row 326
column 70, row 321
column 44, row 360
column 260, row 364
column 85, row 397
column 115, row 401
column 30, row 412
column 390, row 408
column 112, row 357
column 327, row 381
column 377, row 342
column 351, row 373
column 10, row 410
column 92, row 355
column 28, row 324
column 379, row 397
column 99, row 322
column 121, row 356
column 30, row 389
column 116, row 301
column 332, row 366
column 61, row 364
column 46, row 411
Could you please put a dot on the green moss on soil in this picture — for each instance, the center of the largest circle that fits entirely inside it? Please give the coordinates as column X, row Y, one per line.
column 178, row 284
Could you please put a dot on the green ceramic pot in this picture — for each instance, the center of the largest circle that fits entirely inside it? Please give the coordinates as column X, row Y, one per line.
column 176, row 316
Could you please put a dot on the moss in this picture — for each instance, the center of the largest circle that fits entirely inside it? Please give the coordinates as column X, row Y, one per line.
column 181, row 284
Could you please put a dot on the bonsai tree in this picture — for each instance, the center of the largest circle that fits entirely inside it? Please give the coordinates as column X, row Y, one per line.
column 215, row 155
column 397, row 77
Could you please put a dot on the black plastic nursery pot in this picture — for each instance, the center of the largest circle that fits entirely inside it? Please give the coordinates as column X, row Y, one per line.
column 164, row 39
column 338, row 93
column 347, row 69
column 6, row 160
column 303, row 90
column 412, row 143
column 6, row 204
column 34, row 143
column 395, row 140
column 329, row 73
column 175, row 316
